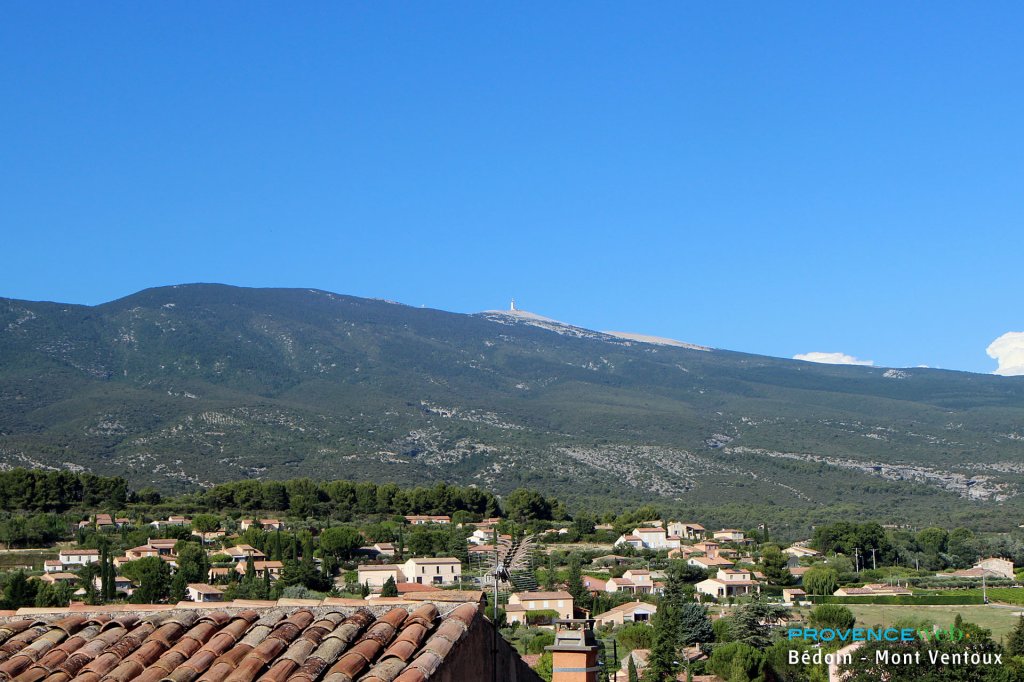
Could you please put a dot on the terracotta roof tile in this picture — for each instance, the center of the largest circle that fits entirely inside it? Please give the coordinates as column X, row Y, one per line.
column 324, row 641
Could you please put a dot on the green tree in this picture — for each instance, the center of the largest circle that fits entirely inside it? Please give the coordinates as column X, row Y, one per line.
column 933, row 540
column 19, row 591
column 1015, row 640
column 631, row 670
column 153, row 577
column 774, row 565
column 738, row 662
column 574, row 585
column 833, row 616
column 55, row 595
column 340, row 541
column 522, row 505
column 205, row 523
column 694, row 625
column 662, row 664
column 751, row 622
column 179, row 588
column 389, row 589
column 193, row 563
column 821, row 580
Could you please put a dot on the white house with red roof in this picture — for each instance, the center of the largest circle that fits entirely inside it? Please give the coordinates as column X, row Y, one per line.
column 729, row 583
column 650, row 537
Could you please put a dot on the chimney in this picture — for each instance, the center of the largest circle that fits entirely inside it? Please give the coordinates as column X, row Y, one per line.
column 574, row 653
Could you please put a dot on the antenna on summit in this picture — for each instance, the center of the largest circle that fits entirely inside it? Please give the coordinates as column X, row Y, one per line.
column 512, row 306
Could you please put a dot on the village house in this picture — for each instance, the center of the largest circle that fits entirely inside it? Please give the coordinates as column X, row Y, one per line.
column 872, row 590
column 241, row 553
column 201, row 592
column 634, row 581
column 634, row 541
column 595, row 585
column 261, row 568
column 729, row 535
column 263, row 524
column 799, row 551
column 630, row 612
column 650, row 537
column 121, row 584
column 690, row 531
column 55, row 578
column 219, row 573
column 709, row 563
column 728, row 583
column 384, row 548
column 520, row 604
column 52, row 566
column 793, row 595
column 160, row 547
column 136, row 553
column 425, row 520
column 798, row 572
column 78, row 557
column 437, row 571
column 1001, row 567
column 375, row 575
column 171, row 521
column 405, row 589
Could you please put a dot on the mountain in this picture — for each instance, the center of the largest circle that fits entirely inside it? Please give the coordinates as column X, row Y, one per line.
column 195, row 384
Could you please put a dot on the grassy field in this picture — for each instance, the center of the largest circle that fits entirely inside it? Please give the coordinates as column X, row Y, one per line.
column 12, row 560
column 999, row 620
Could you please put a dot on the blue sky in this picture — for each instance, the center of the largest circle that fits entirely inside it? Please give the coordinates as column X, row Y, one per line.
column 781, row 180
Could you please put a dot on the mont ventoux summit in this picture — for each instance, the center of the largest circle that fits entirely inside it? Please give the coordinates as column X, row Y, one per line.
column 191, row 385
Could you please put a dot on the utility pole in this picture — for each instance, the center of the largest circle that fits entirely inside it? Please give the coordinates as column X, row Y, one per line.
column 873, row 566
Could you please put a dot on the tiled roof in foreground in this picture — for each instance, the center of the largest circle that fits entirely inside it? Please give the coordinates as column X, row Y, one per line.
column 329, row 641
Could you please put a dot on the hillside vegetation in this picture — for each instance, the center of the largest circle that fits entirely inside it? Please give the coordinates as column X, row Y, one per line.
column 192, row 385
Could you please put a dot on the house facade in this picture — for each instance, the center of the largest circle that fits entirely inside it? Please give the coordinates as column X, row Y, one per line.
column 78, row 557
column 437, row 571
column 374, row 576
column 201, row 592
column 631, row 612
column 520, row 604
column 728, row 583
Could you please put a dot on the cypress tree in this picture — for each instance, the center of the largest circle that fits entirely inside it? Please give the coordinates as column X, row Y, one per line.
column 631, row 670
column 103, row 572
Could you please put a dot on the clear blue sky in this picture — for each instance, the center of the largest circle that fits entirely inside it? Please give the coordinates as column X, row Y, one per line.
column 776, row 179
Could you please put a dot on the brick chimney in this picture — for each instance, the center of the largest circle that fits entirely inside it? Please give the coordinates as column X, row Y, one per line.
column 574, row 653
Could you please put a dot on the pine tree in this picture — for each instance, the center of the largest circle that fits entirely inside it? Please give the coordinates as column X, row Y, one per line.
column 390, row 589
column 661, row 664
column 694, row 626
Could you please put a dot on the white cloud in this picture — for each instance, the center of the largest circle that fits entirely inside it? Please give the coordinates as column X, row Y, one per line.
column 832, row 358
column 1008, row 351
